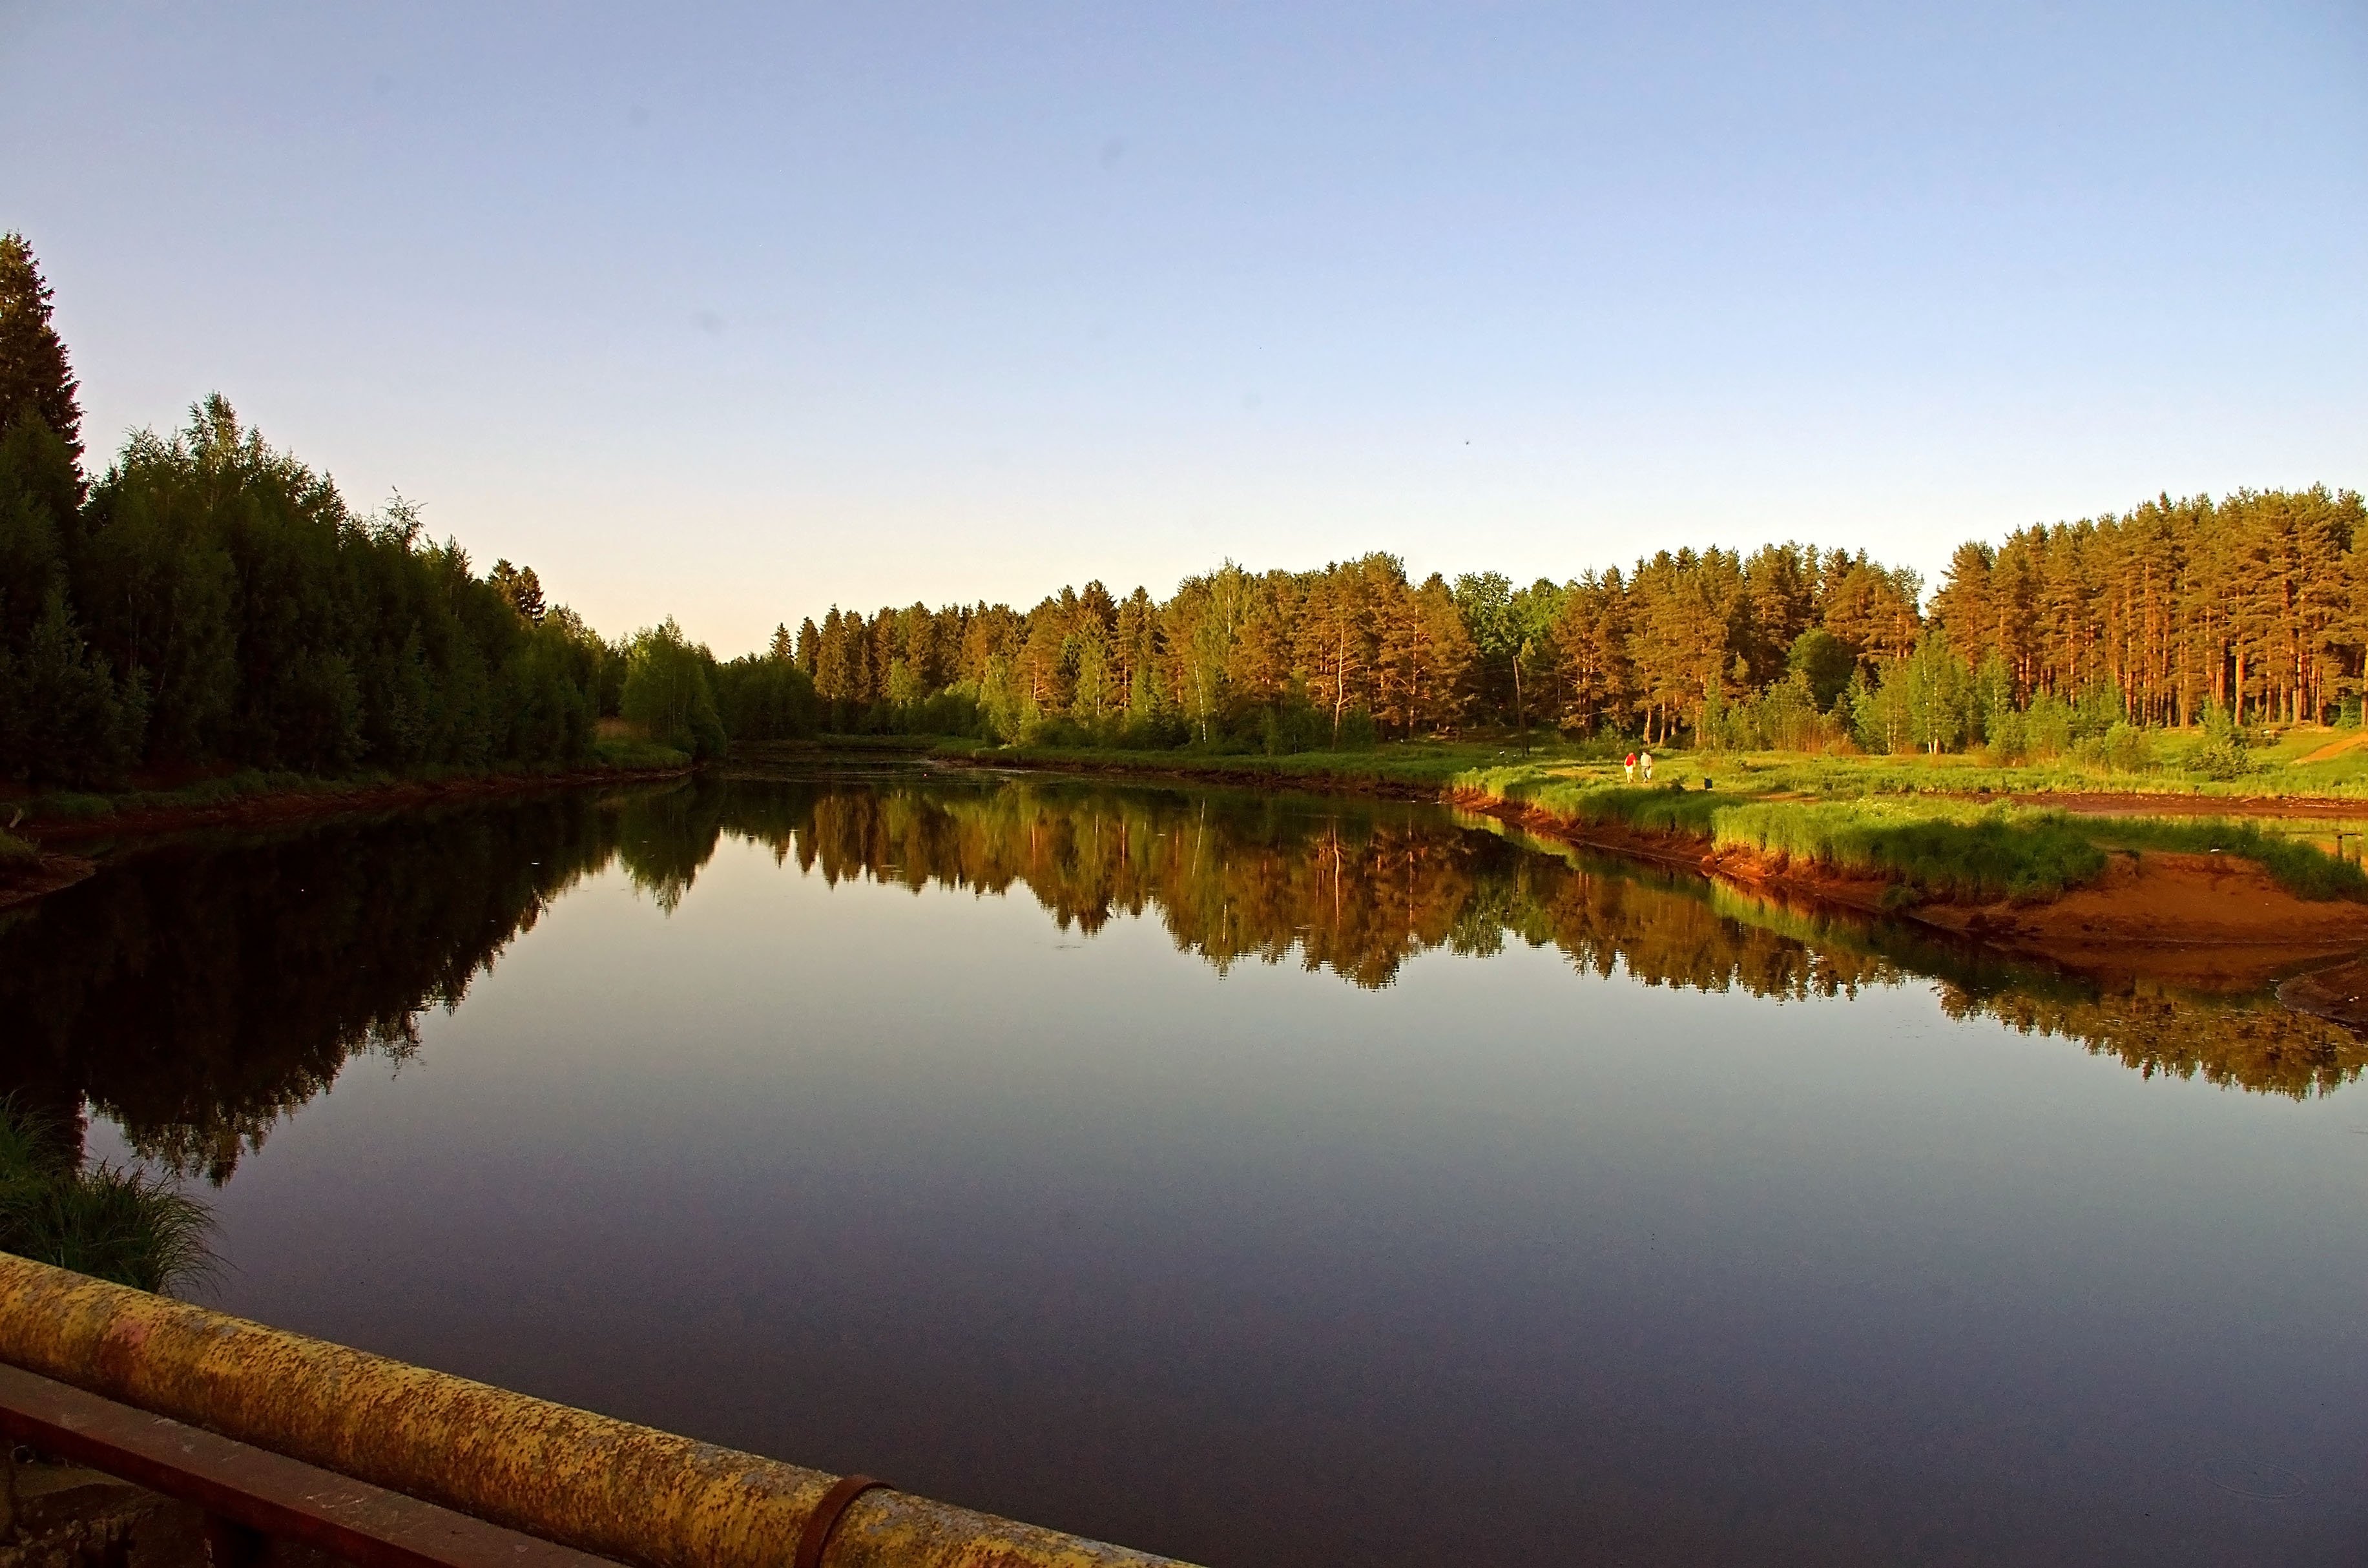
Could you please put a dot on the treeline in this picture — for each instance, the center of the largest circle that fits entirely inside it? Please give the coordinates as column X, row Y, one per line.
column 2249, row 609
column 1356, row 651
column 210, row 603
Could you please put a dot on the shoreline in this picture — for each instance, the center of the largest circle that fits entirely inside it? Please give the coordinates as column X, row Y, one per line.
column 2218, row 922
column 52, row 871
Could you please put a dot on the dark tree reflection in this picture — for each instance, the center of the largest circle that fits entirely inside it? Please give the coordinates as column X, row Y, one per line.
column 198, row 991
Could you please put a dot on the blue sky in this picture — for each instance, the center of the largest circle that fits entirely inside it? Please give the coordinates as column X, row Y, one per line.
column 734, row 312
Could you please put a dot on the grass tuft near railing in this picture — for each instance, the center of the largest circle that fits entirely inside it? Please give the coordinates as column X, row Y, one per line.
column 123, row 1225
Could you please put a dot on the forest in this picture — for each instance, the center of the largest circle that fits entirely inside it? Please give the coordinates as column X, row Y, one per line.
column 206, row 604
column 2249, row 609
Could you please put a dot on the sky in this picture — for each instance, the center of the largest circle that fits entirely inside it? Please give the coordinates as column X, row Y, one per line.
column 733, row 313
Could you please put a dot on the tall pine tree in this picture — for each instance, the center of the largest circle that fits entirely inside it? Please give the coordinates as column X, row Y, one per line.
column 35, row 378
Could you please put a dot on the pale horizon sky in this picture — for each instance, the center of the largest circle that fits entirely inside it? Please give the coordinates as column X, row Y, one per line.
column 734, row 312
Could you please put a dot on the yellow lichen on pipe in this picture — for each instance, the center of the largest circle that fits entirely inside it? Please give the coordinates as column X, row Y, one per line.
column 598, row 1484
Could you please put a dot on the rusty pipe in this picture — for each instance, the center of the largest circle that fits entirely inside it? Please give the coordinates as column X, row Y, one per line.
column 602, row 1485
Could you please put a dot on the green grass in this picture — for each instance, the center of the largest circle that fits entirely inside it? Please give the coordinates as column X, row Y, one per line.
column 1931, row 846
column 2275, row 770
column 1934, row 850
column 1434, row 764
column 111, row 1224
column 75, row 806
column 15, row 853
column 1998, row 854
column 623, row 751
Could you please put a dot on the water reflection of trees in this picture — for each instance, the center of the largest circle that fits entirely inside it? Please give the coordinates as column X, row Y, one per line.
column 198, row 992
column 1356, row 889
column 2253, row 1044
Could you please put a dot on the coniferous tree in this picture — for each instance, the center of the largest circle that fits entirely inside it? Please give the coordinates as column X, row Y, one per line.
column 518, row 587
column 36, row 379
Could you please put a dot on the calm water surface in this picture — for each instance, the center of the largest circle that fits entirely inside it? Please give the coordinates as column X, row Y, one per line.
column 1263, row 1181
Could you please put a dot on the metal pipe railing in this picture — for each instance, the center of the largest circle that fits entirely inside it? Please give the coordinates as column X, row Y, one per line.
column 249, row 1501
column 587, row 1482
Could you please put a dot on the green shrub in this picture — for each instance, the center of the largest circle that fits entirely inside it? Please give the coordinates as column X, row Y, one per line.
column 2222, row 755
column 2124, row 748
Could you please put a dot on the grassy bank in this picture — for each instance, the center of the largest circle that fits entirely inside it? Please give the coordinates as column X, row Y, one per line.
column 1932, row 848
column 1934, row 828
column 2281, row 767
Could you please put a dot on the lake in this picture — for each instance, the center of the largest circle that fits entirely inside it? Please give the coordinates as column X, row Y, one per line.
column 1260, row 1179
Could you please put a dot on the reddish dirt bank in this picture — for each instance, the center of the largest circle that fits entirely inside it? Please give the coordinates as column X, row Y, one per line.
column 1691, row 852
column 2209, row 922
column 2213, row 922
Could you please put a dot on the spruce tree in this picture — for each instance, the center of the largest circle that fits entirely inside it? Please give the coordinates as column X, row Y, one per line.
column 34, row 375
column 519, row 588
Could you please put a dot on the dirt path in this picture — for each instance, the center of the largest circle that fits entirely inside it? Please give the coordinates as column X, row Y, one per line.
column 2334, row 749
